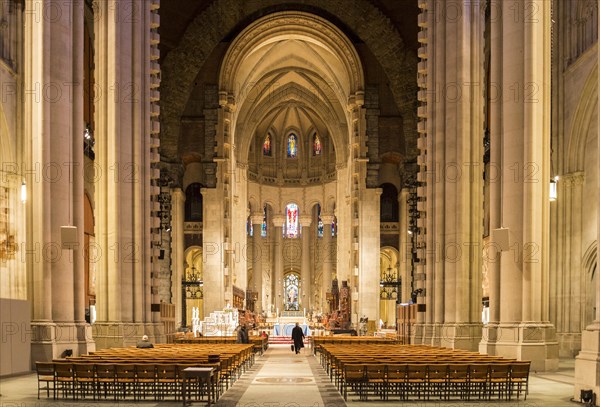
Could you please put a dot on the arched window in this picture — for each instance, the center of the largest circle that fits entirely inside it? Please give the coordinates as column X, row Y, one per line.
column 321, row 227
column 320, row 222
column 317, row 148
column 249, row 227
column 263, row 227
column 291, row 222
column 193, row 203
column 389, row 203
column 291, row 286
column 334, row 227
column 267, row 146
column 292, row 146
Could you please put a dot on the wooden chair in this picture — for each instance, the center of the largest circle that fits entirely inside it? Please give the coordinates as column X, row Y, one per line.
column 105, row 379
column 167, row 381
column 125, row 380
column 375, row 380
column 145, row 380
column 45, row 374
column 64, row 378
column 85, row 379
column 499, row 380
column 354, row 376
column 437, row 380
column 519, row 378
column 395, row 380
column 416, row 379
column 478, row 380
column 458, row 380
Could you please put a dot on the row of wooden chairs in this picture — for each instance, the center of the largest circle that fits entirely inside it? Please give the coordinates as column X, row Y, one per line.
column 121, row 373
column 420, row 371
column 318, row 341
column 120, row 381
column 260, row 344
column 440, row 380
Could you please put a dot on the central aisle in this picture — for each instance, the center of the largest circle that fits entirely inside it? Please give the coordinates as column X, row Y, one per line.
column 280, row 378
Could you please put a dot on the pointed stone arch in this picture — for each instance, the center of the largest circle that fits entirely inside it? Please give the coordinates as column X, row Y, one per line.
column 586, row 109
column 182, row 64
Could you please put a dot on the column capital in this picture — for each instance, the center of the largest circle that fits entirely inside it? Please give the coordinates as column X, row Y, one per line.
column 327, row 219
column 177, row 193
column 278, row 220
column 257, row 218
column 573, row 179
column 305, row 220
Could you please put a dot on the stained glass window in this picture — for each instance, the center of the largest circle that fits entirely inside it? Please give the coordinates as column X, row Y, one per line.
column 267, row 146
column 291, row 287
column 291, row 223
column 320, row 222
column 263, row 227
column 292, row 147
column 316, row 145
column 321, row 226
column 250, row 228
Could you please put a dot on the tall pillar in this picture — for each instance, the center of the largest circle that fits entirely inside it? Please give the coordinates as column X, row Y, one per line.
column 177, row 249
column 369, row 252
column 405, row 247
column 214, row 275
column 257, row 260
column 306, row 300
column 278, row 221
column 53, row 168
column 126, row 192
column 453, row 152
column 327, row 257
column 587, row 363
column 522, row 133
column 492, row 252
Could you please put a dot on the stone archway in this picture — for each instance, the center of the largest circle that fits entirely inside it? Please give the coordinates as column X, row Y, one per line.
column 389, row 292
column 182, row 64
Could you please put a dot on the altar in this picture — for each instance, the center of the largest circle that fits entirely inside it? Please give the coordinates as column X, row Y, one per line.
column 285, row 329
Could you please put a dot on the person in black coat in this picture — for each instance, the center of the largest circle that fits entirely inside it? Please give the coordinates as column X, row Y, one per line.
column 298, row 338
column 144, row 343
column 242, row 335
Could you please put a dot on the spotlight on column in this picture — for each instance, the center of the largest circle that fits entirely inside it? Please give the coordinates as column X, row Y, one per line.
column 553, row 191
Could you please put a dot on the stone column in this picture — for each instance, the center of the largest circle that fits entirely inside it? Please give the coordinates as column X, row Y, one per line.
column 257, row 259
column 405, row 247
column 522, row 134
column 212, row 250
column 53, row 168
column 305, row 295
column 125, row 190
column 492, row 252
column 369, row 252
column 454, row 157
column 177, row 249
column 278, row 221
column 587, row 363
column 327, row 257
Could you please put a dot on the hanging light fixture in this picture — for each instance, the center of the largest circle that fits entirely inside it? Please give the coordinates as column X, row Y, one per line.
column 553, row 190
column 23, row 192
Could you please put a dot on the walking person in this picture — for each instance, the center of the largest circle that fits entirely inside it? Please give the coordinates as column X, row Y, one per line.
column 242, row 335
column 298, row 338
